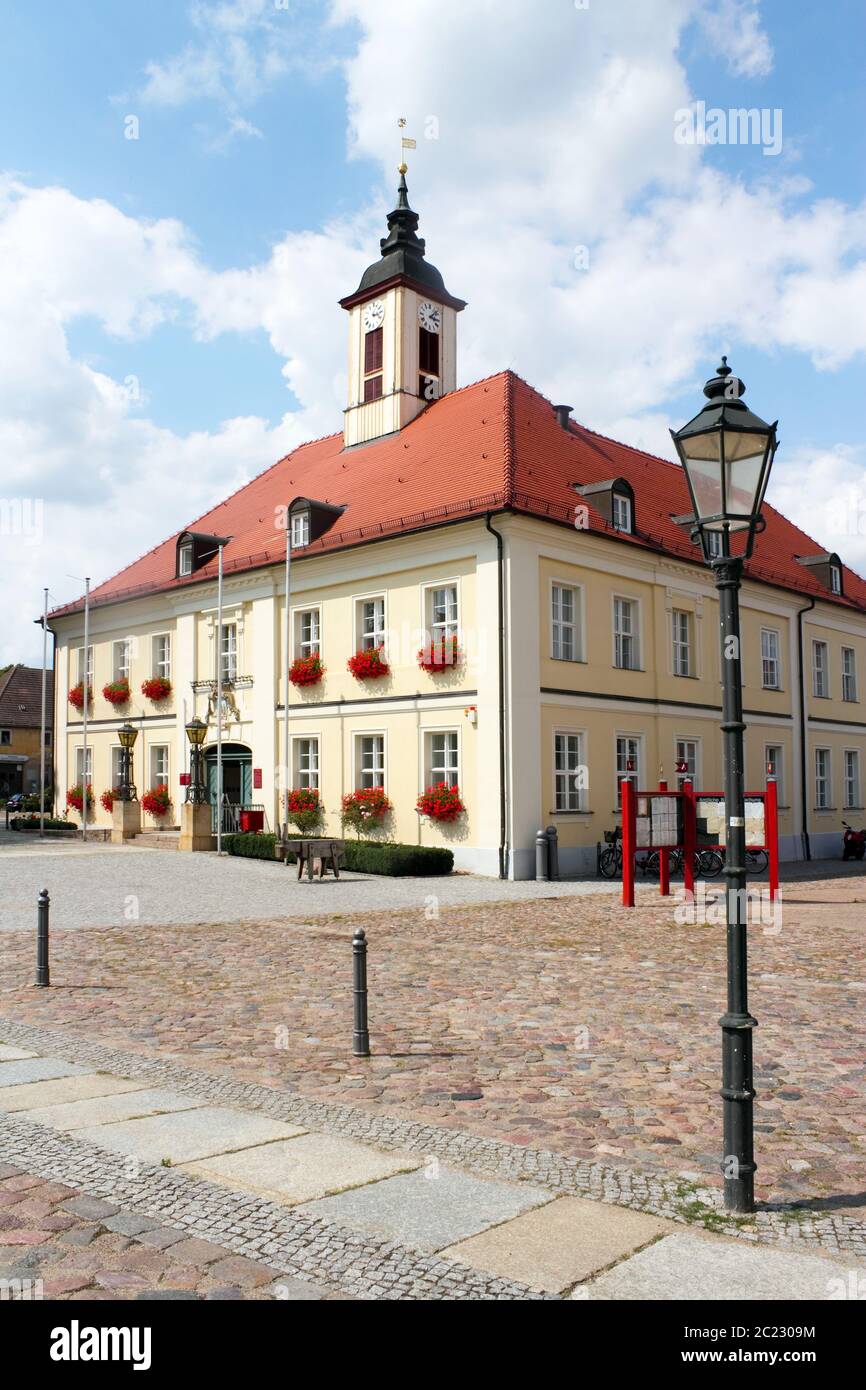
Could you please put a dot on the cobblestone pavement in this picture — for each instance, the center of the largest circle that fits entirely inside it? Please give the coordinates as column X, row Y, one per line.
column 571, row 1025
column 58, row 1242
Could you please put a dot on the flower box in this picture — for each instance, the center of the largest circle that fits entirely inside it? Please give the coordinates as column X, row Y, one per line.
column 75, row 798
column 441, row 802
column 117, row 692
column 440, row 656
column 368, row 665
column 365, row 807
column 157, row 688
column 307, row 670
column 156, row 802
column 76, row 696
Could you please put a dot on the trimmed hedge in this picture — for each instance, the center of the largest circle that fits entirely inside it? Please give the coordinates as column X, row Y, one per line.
column 363, row 856
column 51, row 823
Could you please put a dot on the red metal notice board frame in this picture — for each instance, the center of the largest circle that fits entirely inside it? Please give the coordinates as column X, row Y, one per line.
column 687, row 840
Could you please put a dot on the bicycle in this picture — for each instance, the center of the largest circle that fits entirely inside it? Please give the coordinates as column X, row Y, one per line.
column 610, row 858
column 707, row 862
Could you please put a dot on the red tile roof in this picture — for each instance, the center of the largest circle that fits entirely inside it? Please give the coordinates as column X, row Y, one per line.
column 496, row 444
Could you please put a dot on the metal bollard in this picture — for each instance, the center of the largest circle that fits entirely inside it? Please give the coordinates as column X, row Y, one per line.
column 542, row 856
column 553, row 855
column 42, row 975
column 360, row 1035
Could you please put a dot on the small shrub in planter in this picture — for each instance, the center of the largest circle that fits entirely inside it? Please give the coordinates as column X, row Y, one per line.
column 441, row 655
column 117, row 692
column 307, row 670
column 441, row 802
column 156, row 802
column 108, row 798
column 75, row 798
column 303, row 809
column 157, row 689
column 76, row 696
column 368, row 665
column 364, row 808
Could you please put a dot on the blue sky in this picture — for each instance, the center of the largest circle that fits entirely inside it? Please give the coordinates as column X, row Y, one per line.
column 204, row 259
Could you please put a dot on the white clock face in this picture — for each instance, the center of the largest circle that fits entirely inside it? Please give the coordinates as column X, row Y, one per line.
column 430, row 316
column 373, row 315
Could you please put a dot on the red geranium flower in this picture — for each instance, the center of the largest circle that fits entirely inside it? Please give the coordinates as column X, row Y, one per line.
column 368, row 665
column 157, row 688
column 307, row 670
column 441, row 802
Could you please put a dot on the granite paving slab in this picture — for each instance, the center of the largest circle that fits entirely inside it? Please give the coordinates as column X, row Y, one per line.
column 303, row 1169
column 559, row 1244
column 188, row 1134
column 63, row 1090
column 430, row 1208
column 13, row 1054
column 36, row 1069
column 110, row 1109
column 698, row 1268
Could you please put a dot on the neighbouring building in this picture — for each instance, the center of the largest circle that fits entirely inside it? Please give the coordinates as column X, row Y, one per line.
column 20, row 729
column 555, row 563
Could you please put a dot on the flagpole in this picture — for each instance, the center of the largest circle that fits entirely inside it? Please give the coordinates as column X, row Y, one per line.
column 43, row 719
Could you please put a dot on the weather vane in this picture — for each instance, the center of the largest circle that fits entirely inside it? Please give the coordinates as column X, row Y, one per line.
column 405, row 144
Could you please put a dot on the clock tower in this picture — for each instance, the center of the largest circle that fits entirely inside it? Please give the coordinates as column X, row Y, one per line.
column 402, row 333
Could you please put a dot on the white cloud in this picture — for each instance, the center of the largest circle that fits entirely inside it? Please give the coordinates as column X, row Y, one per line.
column 241, row 47
column 733, row 30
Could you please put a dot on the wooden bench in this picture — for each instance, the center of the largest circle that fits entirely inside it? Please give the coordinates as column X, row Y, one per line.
column 329, row 853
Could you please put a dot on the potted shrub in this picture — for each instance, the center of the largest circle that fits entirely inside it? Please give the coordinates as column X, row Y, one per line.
column 368, row 665
column 156, row 688
column 441, row 802
column 307, row 670
column 108, row 798
column 156, row 802
column 76, row 696
column 303, row 809
column 439, row 656
column 117, row 692
column 364, row 809
column 75, row 798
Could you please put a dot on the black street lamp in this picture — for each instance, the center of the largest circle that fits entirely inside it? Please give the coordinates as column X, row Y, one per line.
column 127, row 735
column 196, row 792
column 727, row 453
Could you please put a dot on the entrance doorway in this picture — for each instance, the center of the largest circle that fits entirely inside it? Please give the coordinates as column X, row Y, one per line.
column 237, row 774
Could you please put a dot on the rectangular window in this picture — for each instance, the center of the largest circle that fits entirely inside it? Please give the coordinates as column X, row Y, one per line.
column 770, row 667
column 373, row 388
column 120, row 658
column 300, row 530
column 564, row 614
column 849, row 673
column 5, row 736
column 307, row 763
column 820, row 670
column 371, row 760
column 79, row 765
column 428, row 352
column 835, row 579
column 373, row 351
column 371, row 622
column 442, row 758
column 308, row 632
column 117, row 766
column 89, row 665
column 568, row 772
column 774, row 766
column 229, row 654
column 627, row 762
column 625, row 620
column 687, row 752
column 682, row 638
column 852, row 779
column 159, row 765
column 621, row 512
column 443, row 614
column 822, row 779
column 714, row 543
column 162, row 655
column 185, row 560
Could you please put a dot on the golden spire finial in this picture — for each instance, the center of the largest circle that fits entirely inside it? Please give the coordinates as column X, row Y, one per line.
column 405, row 144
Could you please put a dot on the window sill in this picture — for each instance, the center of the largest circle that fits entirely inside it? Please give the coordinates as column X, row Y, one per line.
column 684, row 676
column 592, row 813
column 570, row 660
column 825, row 810
column 816, row 696
column 774, row 689
column 638, row 669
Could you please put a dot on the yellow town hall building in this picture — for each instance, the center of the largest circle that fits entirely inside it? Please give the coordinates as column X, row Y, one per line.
column 555, row 563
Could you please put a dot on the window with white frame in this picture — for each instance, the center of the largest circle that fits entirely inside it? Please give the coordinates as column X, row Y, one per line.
column 682, row 642
column 370, row 760
column 161, row 655
column 308, row 632
column 300, row 529
column 835, row 579
column 371, row 622
column 307, row 763
column 89, row 665
column 625, row 634
column 822, row 779
column 79, row 765
column 820, row 669
column 849, row 673
column 229, row 653
column 687, row 752
column 568, row 771
column 120, row 659
column 627, row 762
column 774, row 766
column 621, row 512
column 442, row 614
column 116, row 765
column 159, row 765
column 565, row 618
column 714, row 543
column 852, row 779
column 443, row 757
column 185, row 560
column 771, row 678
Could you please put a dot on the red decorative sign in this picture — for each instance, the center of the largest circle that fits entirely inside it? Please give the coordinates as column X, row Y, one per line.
column 184, row 779
column 257, row 778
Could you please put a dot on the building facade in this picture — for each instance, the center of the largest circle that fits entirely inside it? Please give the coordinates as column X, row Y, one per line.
column 554, row 565
column 20, row 730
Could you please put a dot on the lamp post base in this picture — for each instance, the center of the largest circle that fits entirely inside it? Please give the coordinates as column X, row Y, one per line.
column 195, row 827
column 125, row 821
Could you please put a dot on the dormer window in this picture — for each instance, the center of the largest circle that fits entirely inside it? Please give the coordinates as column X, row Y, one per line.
column 309, row 519
column 835, row 579
column 300, row 529
column 621, row 512
column 195, row 549
column 184, row 559
column 826, row 569
column 614, row 500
